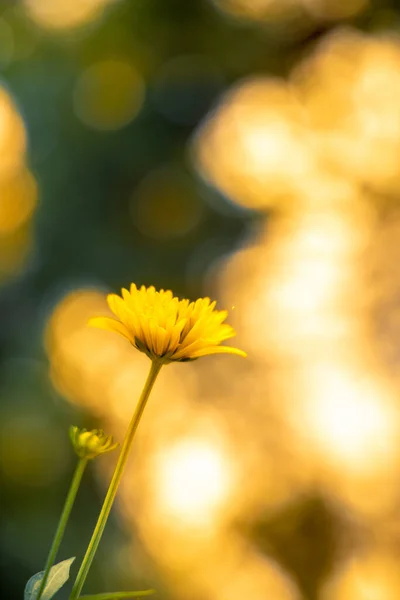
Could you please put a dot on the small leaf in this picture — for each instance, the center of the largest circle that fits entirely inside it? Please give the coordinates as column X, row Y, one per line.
column 58, row 575
column 118, row 595
column 32, row 587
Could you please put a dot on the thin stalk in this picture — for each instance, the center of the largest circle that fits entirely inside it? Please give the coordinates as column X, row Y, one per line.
column 59, row 534
column 115, row 481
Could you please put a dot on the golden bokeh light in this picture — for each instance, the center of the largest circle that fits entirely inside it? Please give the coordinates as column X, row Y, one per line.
column 371, row 576
column 255, row 576
column 18, row 199
column 12, row 135
column 351, row 89
column 305, row 314
column 343, row 416
column 382, row 279
column 270, row 140
column 351, row 420
column 228, row 567
column 193, row 482
column 302, row 278
column 248, row 145
column 18, row 190
column 109, row 94
column 302, row 282
column 64, row 14
column 70, row 343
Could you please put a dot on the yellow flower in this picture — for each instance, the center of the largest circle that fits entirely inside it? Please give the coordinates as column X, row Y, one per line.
column 166, row 328
column 89, row 444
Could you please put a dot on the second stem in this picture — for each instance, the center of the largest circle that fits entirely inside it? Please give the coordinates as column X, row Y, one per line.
column 113, row 487
column 73, row 490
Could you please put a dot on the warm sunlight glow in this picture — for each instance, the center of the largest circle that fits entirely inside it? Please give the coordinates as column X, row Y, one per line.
column 12, row 135
column 350, row 420
column 18, row 191
column 351, row 88
column 374, row 576
column 81, row 368
column 64, row 14
column 254, row 576
column 18, row 198
column 193, row 481
column 247, row 146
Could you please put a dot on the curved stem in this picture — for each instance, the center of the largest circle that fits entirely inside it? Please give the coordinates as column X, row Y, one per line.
column 59, row 534
column 115, row 481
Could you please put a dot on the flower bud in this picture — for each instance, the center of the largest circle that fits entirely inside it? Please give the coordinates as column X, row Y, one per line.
column 89, row 444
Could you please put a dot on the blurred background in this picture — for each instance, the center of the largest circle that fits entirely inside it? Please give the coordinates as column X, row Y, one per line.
column 248, row 150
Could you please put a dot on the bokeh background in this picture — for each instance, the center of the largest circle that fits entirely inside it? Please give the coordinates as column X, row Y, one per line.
column 248, row 150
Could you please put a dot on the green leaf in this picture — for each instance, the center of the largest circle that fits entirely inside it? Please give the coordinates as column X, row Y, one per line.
column 58, row 575
column 118, row 595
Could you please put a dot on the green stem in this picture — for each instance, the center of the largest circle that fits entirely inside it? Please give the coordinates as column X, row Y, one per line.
column 117, row 595
column 59, row 534
column 115, row 481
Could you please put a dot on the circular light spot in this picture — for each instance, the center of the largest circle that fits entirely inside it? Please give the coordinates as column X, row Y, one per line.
column 255, row 146
column 64, row 14
column 12, row 135
column 109, row 95
column 18, row 197
column 193, row 481
column 372, row 576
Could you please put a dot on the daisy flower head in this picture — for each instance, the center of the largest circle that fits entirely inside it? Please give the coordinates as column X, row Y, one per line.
column 167, row 328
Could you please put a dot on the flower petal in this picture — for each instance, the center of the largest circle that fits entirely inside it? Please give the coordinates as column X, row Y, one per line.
column 217, row 350
column 160, row 324
column 111, row 325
